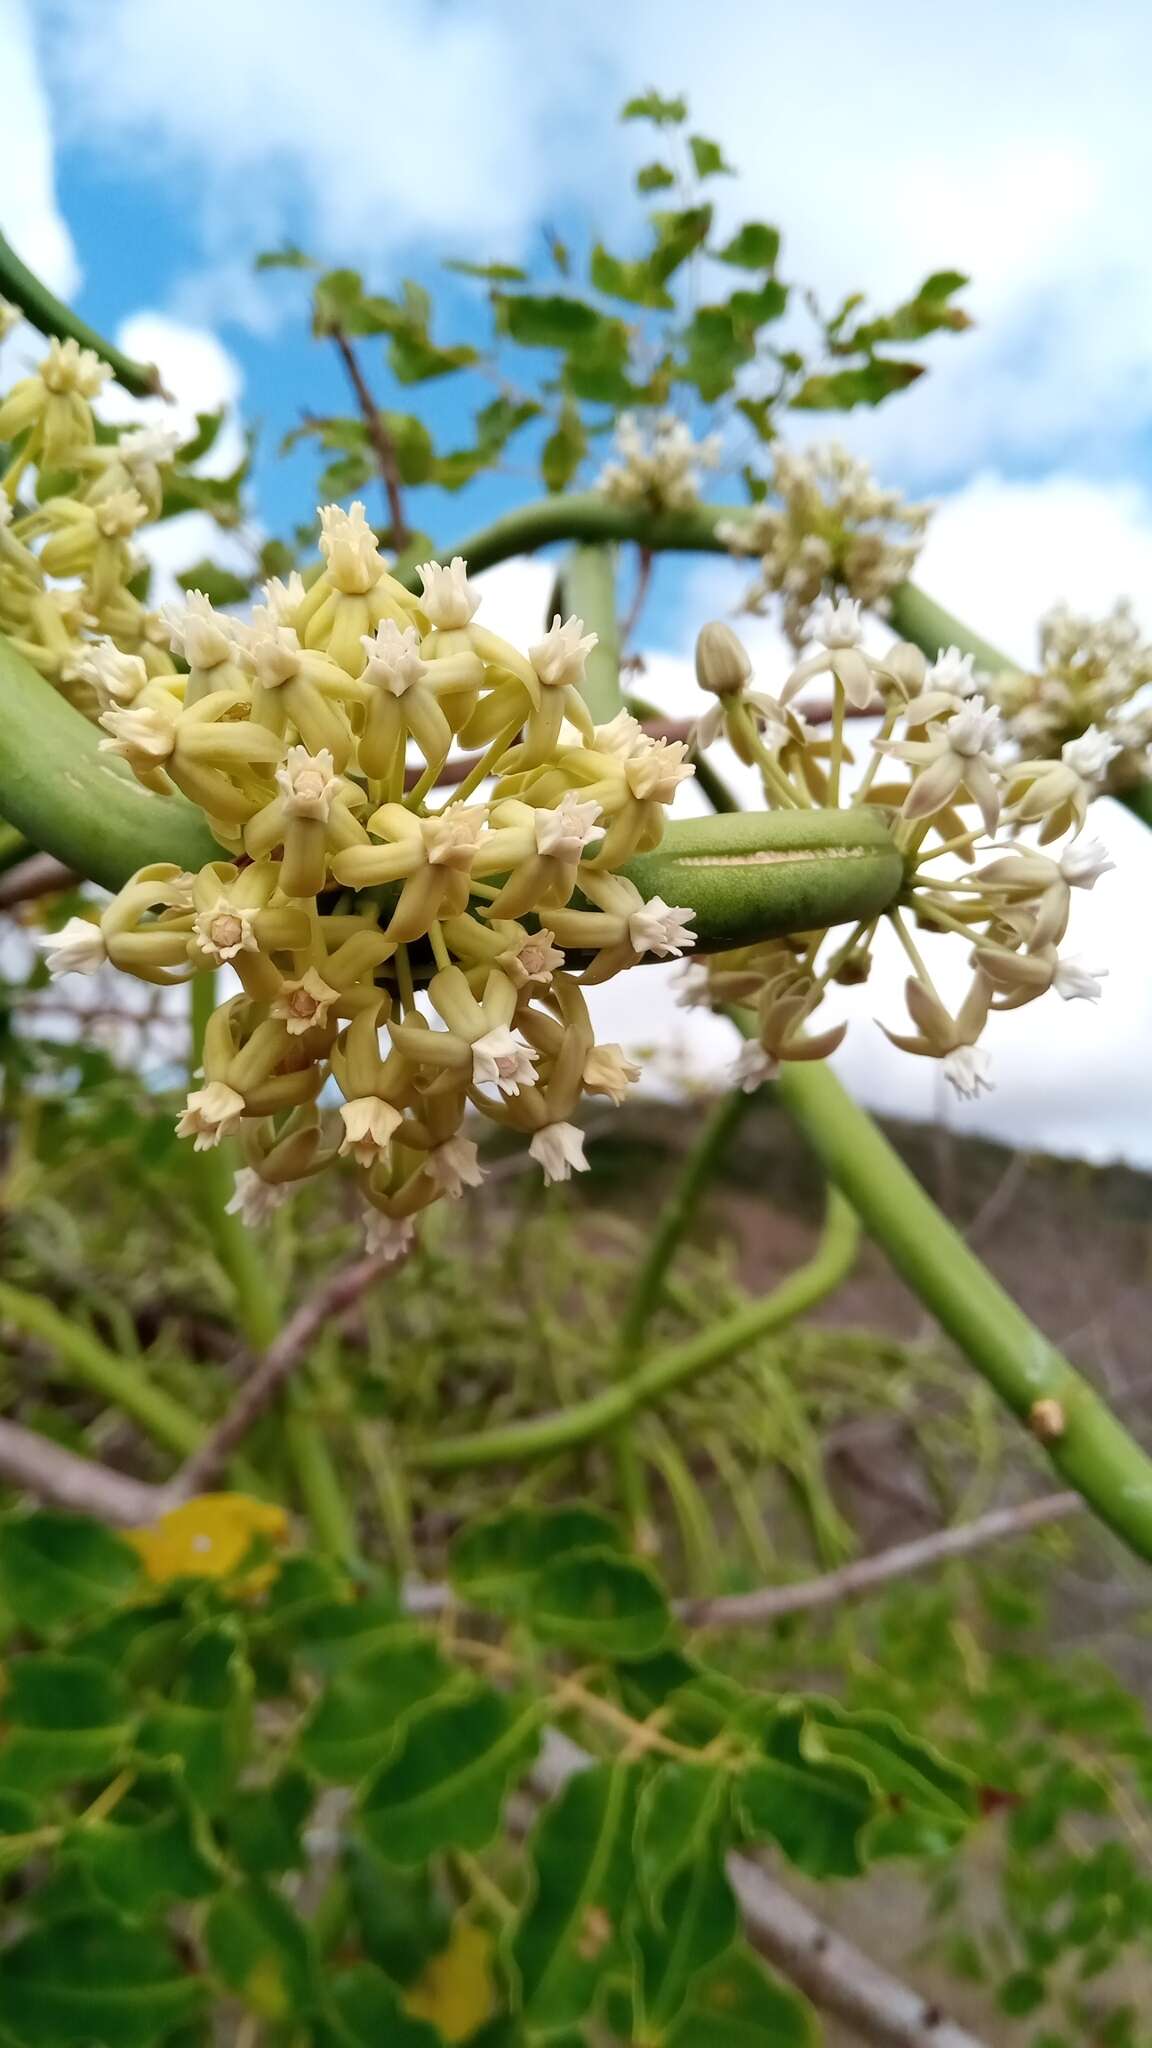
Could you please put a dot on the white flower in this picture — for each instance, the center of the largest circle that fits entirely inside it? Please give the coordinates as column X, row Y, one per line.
column 559, row 658
column 974, row 730
column 308, row 783
column 657, row 928
column 1090, row 756
column 348, row 546
column 119, row 514
column 77, row 948
column 566, row 831
column 620, row 736
column 140, row 729
column 388, row 1237
column 951, row 671
column 274, row 651
column 448, row 599
column 693, row 986
column 283, row 600
column 1071, row 980
column 198, row 633
column 559, row 1148
column 147, row 447
column 370, row 1124
column 117, row 678
column 393, row 657
column 68, row 367
column 224, row 931
column 305, row 1003
column 451, row 839
column 608, row 1071
column 752, row 1066
column 968, row 1068
column 654, row 770
column 1083, row 861
column 210, row 1114
column 254, row 1200
column 838, row 625
column 535, row 960
column 454, row 1166
column 502, row 1057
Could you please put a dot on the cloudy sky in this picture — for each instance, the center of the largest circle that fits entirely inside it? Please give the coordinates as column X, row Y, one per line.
column 149, row 149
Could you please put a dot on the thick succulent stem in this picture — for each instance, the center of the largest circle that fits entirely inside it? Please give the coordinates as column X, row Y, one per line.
column 24, row 289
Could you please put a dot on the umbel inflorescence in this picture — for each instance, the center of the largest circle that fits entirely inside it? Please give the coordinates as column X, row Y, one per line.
column 978, row 825
column 352, row 887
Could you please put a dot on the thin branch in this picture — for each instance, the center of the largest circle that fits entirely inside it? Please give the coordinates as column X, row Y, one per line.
column 327, row 1304
column 60, row 1479
column 639, row 599
column 835, row 1975
column 41, row 875
column 383, row 445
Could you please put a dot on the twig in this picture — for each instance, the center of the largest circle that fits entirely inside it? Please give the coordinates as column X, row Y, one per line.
column 834, row 1974
column 60, row 1479
column 639, row 597
column 769, row 1603
column 383, row 445
column 327, row 1304
column 40, row 875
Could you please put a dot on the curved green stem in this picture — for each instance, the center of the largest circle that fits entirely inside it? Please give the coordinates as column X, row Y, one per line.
column 1092, row 1452
column 53, row 317
column 546, row 1435
column 115, row 1379
column 917, row 617
column 586, row 516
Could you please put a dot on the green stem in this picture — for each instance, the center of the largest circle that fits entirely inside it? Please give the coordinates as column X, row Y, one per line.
column 316, row 1476
column 587, row 586
column 917, row 617
column 586, row 516
column 117, row 1380
column 52, row 317
column 545, row 1435
column 1094, row 1453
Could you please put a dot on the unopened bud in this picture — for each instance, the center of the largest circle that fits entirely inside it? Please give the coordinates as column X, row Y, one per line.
column 1046, row 1420
column 722, row 664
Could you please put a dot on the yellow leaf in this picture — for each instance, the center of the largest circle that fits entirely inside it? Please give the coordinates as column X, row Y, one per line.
column 209, row 1537
column 456, row 1990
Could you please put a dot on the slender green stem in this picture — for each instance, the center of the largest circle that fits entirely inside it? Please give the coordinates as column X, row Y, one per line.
column 118, row 1380
column 596, row 1417
column 51, row 316
column 1094, row 1453
column 917, row 617
column 324, row 1500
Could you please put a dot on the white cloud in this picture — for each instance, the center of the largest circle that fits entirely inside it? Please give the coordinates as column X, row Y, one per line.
column 31, row 219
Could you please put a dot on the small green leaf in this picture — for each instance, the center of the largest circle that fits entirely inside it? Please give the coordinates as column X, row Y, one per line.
column 635, row 282
column 570, row 1938
column 203, row 1722
column 92, row 1979
column 66, row 1719
column 649, row 106
column 363, row 2010
column 414, row 359
column 347, row 474
column 654, row 178
column 755, row 246
column 601, row 1603
column 677, row 236
column 1021, row 1993
column 339, row 301
column 445, row 1783
column 740, row 2004
column 288, row 257
column 868, row 385
column 680, row 1808
column 208, row 425
column 332, row 1634
column 261, row 1950
column 596, row 367
column 760, row 414
column 59, row 1569
column 354, row 1725
column 494, row 1561
column 698, row 1923
column 495, row 273
column 716, row 347
column 564, row 450
column 708, row 158
column 220, row 586
column 814, row 1811
column 142, row 1860
column 413, row 444
column 552, row 321
column 402, row 1916
column 265, row 1823
column 756, row 309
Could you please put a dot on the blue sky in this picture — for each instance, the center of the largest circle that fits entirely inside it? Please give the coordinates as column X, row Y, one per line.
column 150, row 148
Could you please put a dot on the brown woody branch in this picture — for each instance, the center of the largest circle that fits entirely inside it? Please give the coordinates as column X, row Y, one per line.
column 40, row 875
column 376, row 427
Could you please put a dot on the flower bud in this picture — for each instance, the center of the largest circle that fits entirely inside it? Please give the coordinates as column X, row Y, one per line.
column 722, row 663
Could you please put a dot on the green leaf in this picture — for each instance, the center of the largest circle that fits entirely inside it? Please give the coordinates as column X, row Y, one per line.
column 139, row 1863
column 654, row 178
column 677, row 236
column 760, row 414
column 288, row 257
column 413, row 444
column 354, row 1725
column 650, row 107
column 348, row 474
column 363, row 2010
column 414, row 359
column 756, row 309
column 261, row 1950
column 708, row 158
column 59, row 1569
column 220, row 586
column 204, row 1721
column 67, row 1719
column 564, row 450
column 332, row 1634
column 265, row 1823
column 740, row 2004
column 596, row 367
column 208, row 425
column 680, row 1808
column 716, row 347
column 550, row 321
column 755, row 246
column 635, row 282
column 698, row 1923
column 600, row 1603
column 495, row 273
column 815, row 1811
column 868, row 385
column 339, row 301
column 92, row 1979
column 494, row 1561
column 402, row 1916
column 926, row 1802
column 570, row 1938
column 445, row 1783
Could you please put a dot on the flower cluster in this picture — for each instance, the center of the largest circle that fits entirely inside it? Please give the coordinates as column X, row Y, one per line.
column 658, row 468
column 975, row 823
column 832, row 530
column 1093, row 673
column 68, row 561
column 421, row 957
